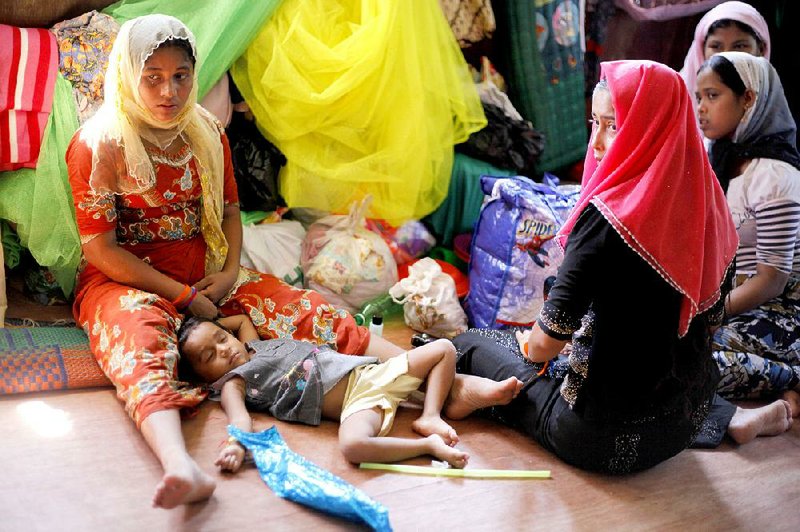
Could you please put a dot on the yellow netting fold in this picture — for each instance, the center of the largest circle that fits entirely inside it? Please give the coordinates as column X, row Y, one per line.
column 363, row 97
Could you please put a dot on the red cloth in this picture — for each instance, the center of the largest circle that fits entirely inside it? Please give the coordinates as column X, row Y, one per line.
column 656, row 187
column 28, row 68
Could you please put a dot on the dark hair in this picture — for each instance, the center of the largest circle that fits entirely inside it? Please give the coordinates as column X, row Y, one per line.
column 741, row 26
column 185, row 369
column 182, row 44
column 726, row 72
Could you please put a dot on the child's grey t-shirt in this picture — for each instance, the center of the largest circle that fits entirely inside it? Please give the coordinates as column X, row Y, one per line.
column 288, row 378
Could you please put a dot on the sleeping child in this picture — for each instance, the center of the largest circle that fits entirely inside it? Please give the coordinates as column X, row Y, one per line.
column 303, row 382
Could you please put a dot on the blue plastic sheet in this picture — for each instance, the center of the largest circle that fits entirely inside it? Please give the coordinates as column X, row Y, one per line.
column 293, row 477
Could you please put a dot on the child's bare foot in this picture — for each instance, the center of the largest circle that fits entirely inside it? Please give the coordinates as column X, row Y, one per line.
column 469, row 393
column 183, row 482
column 770, row 420
column 442, row 451
column 793, row 398
column 427, row 425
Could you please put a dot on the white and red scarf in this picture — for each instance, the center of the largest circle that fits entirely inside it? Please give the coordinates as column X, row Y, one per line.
column 28, row 68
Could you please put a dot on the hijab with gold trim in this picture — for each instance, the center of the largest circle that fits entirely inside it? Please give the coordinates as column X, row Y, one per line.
column 125, row 121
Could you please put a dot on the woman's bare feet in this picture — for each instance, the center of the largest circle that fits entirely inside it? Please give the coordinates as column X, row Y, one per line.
column 793, row 398
column 469, row 393
column 183, row 482
column 770, row 420
column 438, row 448
column 427, row 425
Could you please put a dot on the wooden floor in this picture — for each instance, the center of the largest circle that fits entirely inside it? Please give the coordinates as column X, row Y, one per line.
column 74, row 461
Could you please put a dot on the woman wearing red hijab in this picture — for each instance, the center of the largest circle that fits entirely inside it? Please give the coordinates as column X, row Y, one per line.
column 647, row 249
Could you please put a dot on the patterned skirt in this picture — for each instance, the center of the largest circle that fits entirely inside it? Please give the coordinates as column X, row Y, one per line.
column 132, row 332
column 758, row 352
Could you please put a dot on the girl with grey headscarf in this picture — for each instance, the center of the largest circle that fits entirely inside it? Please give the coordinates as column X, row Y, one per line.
column 743, row 113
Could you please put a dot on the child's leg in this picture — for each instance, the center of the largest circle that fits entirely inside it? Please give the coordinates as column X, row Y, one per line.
column 359, row 442
column 434, row 362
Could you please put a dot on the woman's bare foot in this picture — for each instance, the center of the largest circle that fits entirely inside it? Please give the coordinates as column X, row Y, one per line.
column 770, row 420
column 183, row 482
column 793, row 398
column 427, row 425
column 438, row 448
column 469, row 393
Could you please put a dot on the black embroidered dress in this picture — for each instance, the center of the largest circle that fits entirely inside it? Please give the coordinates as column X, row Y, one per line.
column 632, row 393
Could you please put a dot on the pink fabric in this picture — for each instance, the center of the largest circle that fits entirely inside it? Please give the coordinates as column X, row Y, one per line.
column 738, row 11
column 28, row 67
column 656, row 187
column 218, row 100
column 661, row 10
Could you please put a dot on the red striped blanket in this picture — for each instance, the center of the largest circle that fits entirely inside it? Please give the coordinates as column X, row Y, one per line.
column 28, row 68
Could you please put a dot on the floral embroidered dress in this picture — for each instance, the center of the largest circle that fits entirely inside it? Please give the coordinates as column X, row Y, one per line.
column 132, row 332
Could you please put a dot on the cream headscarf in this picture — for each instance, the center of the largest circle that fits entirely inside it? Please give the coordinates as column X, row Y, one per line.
column 124, row 120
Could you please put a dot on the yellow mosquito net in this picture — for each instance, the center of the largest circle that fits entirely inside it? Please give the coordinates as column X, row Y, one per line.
column 363, row 97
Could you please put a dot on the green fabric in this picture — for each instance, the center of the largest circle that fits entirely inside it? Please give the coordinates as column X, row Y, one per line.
column 11, row 246
column 545, row 76
column 253, row 217
column 461, row 207
column 39, row 201
column 222, row 29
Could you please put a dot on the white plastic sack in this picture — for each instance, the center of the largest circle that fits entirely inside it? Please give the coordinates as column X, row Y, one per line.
column 346, row 262
column 275, row 249
column 429, row 299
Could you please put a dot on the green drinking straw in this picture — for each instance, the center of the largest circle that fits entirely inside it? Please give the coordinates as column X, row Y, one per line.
column 461, row 473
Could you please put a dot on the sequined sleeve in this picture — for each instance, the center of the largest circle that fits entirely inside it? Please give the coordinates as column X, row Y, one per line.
column 573, row 291
column 230, row 192
column 716, row 314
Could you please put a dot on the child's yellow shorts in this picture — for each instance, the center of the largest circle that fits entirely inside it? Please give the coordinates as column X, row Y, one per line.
column 383, row 385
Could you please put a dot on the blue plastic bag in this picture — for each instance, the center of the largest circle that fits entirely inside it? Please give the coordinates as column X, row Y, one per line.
column 293, row 477
column 513, row 255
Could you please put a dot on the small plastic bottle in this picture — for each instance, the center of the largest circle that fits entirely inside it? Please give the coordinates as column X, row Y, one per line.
column 376, row 325
column 382, row 305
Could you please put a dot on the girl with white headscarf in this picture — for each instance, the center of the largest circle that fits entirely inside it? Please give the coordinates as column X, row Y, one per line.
column 157, row 211
column 742, row 110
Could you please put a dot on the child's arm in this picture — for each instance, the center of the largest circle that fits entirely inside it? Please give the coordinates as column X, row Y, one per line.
column 231, row 457
column 241, row 326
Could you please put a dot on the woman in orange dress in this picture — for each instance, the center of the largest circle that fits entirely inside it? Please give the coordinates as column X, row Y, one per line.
column 158, row 215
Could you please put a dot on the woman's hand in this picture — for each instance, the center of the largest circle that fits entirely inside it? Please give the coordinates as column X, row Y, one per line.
column 216, row 285
column 540, row 347
column 522, row 338
column 230, row 458
column 203, row 307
